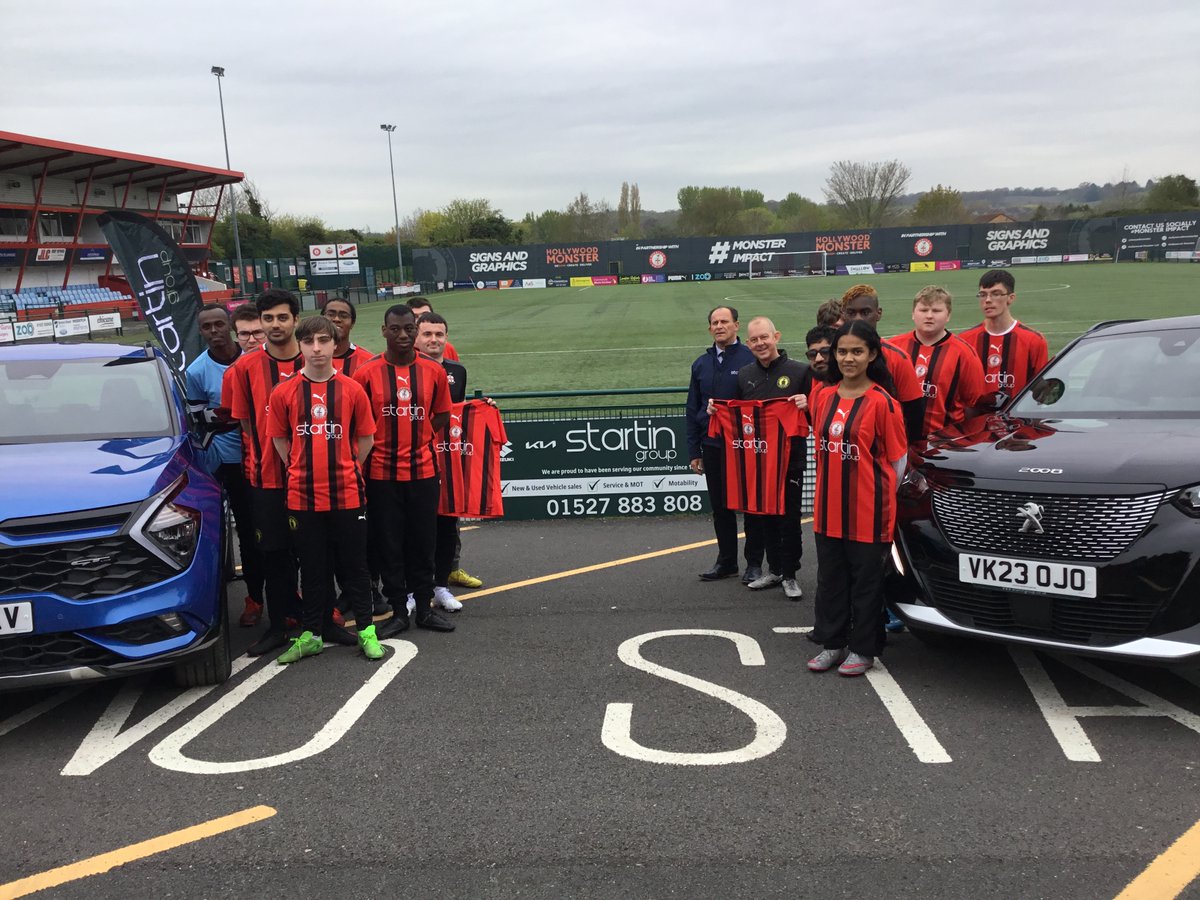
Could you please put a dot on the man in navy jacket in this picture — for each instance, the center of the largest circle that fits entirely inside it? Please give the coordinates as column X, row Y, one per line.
column 714, row 377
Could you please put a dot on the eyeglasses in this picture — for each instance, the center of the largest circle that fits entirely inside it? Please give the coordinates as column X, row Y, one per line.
column 987, row 295
column 251, row 335
column 813, row 354
column 336, row 314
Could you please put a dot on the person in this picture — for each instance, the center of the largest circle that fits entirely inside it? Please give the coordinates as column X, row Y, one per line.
column 321, row 427
column 246, row 391
column 861, row 303
column 1011, row 353
column 421, row 305
column 859, row 439
column 223, row 458
column 948, row 370
column 830, row 313
column 818, row 340
column 773, row 375
column 409, row 396
column 431, row 341
column 714, row 377
column 247, row 327
column 347, row 357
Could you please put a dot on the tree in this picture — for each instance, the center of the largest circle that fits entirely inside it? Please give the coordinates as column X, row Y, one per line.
column 865, row 194
column 758, row 220
column 797, row 213
column 709, row 210
column 635, row 211
column 623, row 208
column 588, row 221
column 1172, row 193
column 940, row 206
column 460, row 218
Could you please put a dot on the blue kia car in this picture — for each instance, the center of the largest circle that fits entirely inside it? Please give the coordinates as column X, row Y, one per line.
column 112, row 536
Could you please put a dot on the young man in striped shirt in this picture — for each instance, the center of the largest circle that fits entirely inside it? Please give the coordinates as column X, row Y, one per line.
column 1011, row 353
column 409, row 398
column 321, row 426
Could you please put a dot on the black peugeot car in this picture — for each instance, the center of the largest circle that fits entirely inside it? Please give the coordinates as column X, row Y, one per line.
column 1070, row 520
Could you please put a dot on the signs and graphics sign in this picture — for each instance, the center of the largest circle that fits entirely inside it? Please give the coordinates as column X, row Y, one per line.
column 599, row 467
column 51, row 254
column 105, row 322
column 347, row 251
column 322, row 251
column 70, row 328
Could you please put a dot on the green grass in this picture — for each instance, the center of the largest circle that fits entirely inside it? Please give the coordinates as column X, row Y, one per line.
column 647, row 335
column 634, row 336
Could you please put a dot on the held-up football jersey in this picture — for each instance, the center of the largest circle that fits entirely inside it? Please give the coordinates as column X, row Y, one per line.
column 404, row 400
column 246, row 390
column 1010, row 360
column 855, row 493
column 323, row 420
column 950, row 375
column 757, row 442
column 352, row 360
column 469, row 458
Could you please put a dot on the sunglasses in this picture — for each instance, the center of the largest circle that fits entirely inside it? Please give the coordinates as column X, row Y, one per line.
column 813, row 354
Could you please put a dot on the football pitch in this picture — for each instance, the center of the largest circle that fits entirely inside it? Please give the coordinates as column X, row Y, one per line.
column 634, row 336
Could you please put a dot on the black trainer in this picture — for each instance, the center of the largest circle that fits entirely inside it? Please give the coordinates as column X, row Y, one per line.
column 272, row 639
column 397, row 624
column 717, row 572
column 434, row 622
column 752, row 573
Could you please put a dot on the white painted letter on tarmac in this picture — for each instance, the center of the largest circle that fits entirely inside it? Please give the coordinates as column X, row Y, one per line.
column 168, row 752
column 1064, row 720
column 769, row 730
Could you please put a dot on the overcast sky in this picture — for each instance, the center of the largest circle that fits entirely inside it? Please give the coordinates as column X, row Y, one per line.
column 528, row 103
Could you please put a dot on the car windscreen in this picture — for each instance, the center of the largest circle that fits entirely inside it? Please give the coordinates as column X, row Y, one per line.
column 51, row 400
column 1142, row 375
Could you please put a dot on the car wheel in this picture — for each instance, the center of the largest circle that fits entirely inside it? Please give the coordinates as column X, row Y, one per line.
column 213, row 664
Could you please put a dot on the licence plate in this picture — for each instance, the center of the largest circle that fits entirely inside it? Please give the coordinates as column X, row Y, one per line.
column 1034, row 576
column 16, row 618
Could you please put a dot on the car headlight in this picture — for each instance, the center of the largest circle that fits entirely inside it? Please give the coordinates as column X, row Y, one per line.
column 1188, row 501
column 171, row 530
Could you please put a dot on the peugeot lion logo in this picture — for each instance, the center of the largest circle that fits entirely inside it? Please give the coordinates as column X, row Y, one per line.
column 1031, row 516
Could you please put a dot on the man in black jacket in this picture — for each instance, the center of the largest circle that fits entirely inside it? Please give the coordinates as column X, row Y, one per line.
column 714, row 377
column 773, row 375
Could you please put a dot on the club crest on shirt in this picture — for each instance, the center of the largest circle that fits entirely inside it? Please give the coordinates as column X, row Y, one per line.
column 783, row 382
column 455, row 431
column 836, row 428
column 994, row 357
column 747, row 428
column 319, row 411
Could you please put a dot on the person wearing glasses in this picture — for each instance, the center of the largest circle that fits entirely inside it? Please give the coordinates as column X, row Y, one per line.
column 247, row 327
column 861, row 304
column 1011, row 353
column 819, row 340
column 346, row 356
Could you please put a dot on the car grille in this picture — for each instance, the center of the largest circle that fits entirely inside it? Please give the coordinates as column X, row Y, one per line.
column 80, row 570
column 1077, row 526
column 25, row 653
column 1095, row 622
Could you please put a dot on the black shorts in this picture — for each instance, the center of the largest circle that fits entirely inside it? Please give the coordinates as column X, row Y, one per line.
column 269, row 507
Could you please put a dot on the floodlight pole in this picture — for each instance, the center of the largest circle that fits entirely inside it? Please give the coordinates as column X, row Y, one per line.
column 395, row 206
column 219, row 71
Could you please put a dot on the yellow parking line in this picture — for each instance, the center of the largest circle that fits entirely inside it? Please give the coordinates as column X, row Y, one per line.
column 97, row 865
column 500, row 588
column 1170, row 873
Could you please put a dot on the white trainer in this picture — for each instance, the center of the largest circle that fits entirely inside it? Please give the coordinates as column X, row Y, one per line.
column 766, row 581
column 411, row 604
column 446, row 600
column 791, row 589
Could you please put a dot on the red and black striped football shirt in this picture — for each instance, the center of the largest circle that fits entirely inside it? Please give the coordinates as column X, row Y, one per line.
column 404, row 400
column 950, row 375
column 246, row 390
column 855, row 442
column 352, row 360
column 1010, row 360
column 469, row 458
column 323, row 420
column 757, row 442
column 907, row 386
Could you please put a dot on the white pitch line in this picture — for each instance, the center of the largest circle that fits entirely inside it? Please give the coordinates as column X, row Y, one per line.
column 920, row 737
column 793, row 629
